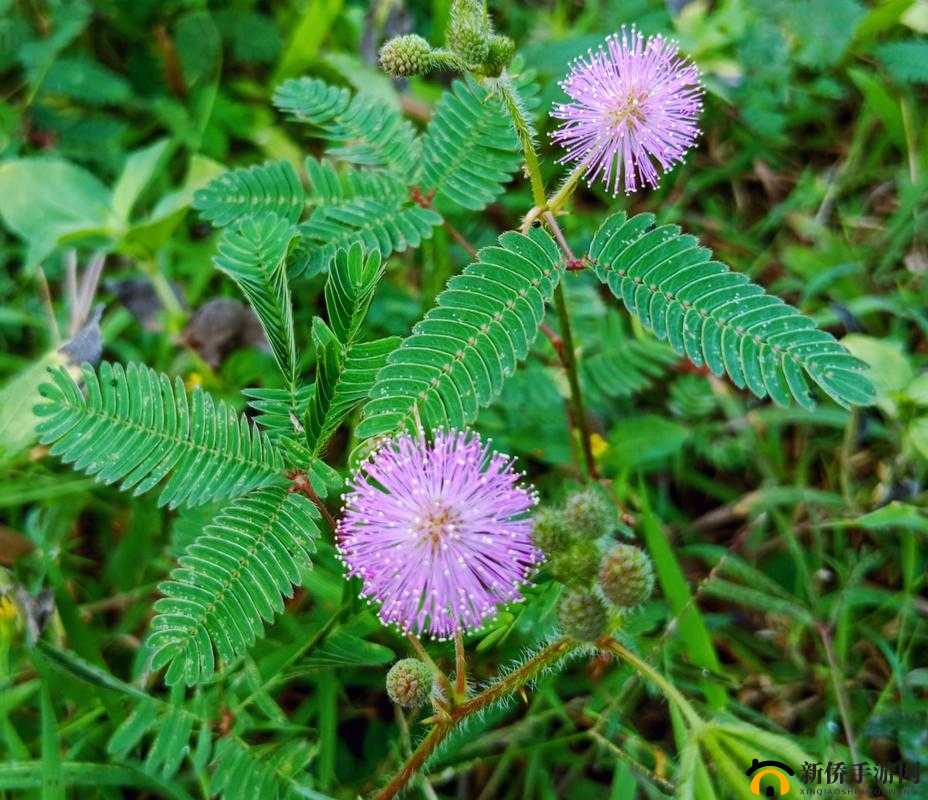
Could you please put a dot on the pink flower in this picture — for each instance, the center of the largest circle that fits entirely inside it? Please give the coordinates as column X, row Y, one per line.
column 438, row 532
column 632, row 113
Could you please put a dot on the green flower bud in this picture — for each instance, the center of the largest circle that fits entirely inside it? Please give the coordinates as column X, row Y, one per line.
column 549, row 533
column 406, row 55
column 409, row 682
column 501, row 51
column 577, row 565
column 582, row 615
column 589, row 513
column 470, row 42
column 626, row 576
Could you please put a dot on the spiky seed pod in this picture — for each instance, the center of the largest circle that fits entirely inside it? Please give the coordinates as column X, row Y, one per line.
column 578, row 564
column 589, row 514
column 409, row 682
column 626, row 576
column 406, row 55
column 582, row 615
column 550, row 534
column 501, row 51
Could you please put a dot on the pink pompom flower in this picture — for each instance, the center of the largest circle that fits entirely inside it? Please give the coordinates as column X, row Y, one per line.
column 439, row 532
column 632, row 113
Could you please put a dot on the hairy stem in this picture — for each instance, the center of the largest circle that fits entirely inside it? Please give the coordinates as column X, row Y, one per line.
column 460, row 667
column 573, row 379
column 644, row 668
column 523, row 129
column 566, row 189
column 512, row 682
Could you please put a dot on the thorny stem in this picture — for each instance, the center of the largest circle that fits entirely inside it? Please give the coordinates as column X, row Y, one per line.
column 512, row 682
column 524, row 131
column 670, row 691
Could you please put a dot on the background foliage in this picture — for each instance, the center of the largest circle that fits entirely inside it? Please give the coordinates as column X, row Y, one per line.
column 789, row 543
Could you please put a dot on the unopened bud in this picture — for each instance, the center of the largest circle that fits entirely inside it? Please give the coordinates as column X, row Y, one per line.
column 626, row 576
column 501, row 51
column 409, row 682
column 589, row 513
column 406, row 55
column 577, row 565
column 549, row 533
column 582, row 615
column 470, row 42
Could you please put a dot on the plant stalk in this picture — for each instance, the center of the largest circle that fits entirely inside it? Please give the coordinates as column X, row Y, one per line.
column 512, row 682
column 523, row 129
column 670, row 691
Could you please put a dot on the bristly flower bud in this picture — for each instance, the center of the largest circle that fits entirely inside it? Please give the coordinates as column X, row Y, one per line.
column 626, row 576
column 406, row 55
column 501, row 51
column 550, row 534
column 409, row 682
column 582, row 615
column 469, row 31
column 589, row 514
column 577, row 565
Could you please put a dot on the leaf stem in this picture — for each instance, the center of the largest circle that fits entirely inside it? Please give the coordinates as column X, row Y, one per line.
column 670, row 691
column 573, row 379
column 512, row 682
column 460, row 667
column 532, row 167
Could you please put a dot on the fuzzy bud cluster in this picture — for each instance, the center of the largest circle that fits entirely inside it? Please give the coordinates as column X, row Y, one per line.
column 597, row 575
column 409, row 682
column 470, row 44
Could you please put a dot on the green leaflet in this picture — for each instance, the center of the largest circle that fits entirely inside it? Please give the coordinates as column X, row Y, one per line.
column 361, row 129
column 470, row 149
column 624, row 365
column 329, row 186
column 171, row 726
column 135, row 426
column 278, row 411
column 344, row 376
column 229, row 582
column 238, row 193
column 253, row 252
column 385, row 225
column 345, row 368
column 247, row 773
column 719, row 318
column 350, row 289
column 459, row 355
